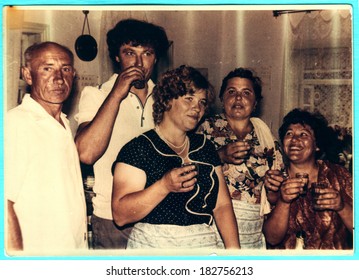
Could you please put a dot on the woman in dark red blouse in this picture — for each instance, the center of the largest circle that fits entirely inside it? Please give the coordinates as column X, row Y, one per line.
column 322, row 216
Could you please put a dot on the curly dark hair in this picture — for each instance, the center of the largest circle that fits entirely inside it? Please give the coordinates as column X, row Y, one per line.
column 175, row 83
column 136, row 32
column 325, row 137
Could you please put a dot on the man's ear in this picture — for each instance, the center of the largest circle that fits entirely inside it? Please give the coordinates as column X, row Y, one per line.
column 26, row 75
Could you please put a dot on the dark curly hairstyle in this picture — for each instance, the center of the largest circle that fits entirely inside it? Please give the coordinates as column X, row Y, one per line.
column 136, row 33
column 176, row 83
column 325, row 137
column 246, row 74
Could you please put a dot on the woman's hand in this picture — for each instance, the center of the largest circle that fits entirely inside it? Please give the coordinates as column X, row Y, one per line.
column 291, row 189
column 331, row 199
column 132, row 201
column 273, row 179
column 235, row 153
column 328, row 199
column 182, row 179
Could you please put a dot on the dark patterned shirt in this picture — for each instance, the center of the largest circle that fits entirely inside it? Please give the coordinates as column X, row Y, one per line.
column 323, row 229
column 151, row 154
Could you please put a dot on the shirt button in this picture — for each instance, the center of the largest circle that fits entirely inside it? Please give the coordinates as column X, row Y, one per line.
column 138, row 107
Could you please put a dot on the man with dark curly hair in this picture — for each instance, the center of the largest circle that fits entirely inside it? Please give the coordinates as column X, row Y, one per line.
column 115, row 112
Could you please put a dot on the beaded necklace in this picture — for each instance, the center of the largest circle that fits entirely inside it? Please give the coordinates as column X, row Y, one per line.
column 183, row 146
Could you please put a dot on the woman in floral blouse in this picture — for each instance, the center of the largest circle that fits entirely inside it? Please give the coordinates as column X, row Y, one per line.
column 247, row 150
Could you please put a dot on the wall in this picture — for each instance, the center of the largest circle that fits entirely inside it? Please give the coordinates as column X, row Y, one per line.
column 224, row 40
column 65, row 26
column 217, row 40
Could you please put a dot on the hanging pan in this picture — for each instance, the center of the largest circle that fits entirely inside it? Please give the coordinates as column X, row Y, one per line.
column 85, row 45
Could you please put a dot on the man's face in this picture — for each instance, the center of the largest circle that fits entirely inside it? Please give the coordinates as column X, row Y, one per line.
column 142, row 57
column 50, row 75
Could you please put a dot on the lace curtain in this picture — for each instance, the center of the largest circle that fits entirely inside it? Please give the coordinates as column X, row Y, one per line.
column 318, row 64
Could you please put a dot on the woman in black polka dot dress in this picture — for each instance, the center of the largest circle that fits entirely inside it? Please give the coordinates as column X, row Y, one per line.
column 172, row 203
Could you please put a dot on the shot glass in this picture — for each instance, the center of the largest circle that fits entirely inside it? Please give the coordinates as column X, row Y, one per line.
column 285, row 174
column 191, row 163
column 249, row 151
column 305, row 178
column 234, row 139
column 315, row 194
column 139, row 84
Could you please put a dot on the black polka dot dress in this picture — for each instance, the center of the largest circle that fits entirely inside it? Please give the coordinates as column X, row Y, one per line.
column 151, row 154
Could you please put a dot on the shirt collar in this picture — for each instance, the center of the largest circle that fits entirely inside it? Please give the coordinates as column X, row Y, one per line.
column 40, row 112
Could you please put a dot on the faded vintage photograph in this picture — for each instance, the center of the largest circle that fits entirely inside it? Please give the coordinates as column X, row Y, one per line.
column 178, row 130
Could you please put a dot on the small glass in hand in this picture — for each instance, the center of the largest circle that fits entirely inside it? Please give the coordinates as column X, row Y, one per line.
column 315, row 194
column 139, row 84
column 189, row 164
column 305, row 178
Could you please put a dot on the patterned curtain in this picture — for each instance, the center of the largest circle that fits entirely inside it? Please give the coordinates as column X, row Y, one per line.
column 318, row 64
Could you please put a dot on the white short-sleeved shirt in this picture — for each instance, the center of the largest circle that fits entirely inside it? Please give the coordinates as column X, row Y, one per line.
column 43, row 179
column 133, row 119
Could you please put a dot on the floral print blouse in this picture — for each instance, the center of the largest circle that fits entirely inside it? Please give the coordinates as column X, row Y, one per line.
column 244, row 181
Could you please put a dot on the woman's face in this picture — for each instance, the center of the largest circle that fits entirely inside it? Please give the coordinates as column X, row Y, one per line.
column 299, row 143
column 186, row 111
column 239, row 99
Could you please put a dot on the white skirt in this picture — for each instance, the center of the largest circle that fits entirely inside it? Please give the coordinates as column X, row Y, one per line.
column 250, row 225
column 144, row 236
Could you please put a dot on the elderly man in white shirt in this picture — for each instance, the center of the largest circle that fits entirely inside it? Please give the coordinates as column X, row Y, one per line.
column 46, row 210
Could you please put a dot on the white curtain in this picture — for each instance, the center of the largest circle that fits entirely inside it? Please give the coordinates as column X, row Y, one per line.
column 318, row 64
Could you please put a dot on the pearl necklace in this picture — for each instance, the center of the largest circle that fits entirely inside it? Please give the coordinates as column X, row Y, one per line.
column 183, row 146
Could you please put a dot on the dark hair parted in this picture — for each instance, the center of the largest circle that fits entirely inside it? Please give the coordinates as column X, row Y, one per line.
column 175, row 83
column 246, row 74
column 31, row 51
column 325, row 137
column 136, row 33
